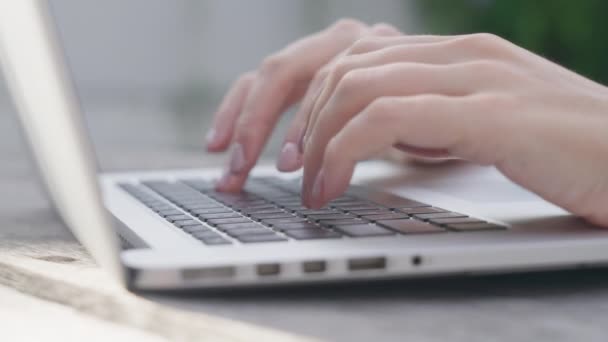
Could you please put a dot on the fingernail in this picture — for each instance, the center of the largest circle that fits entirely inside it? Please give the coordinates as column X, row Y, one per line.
column 317, row 189
column 288, row 158
column 237, row 162
column 210, row 138
column 223, row 181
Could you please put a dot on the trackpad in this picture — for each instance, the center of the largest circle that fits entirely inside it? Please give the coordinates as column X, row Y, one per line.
column 485, row 192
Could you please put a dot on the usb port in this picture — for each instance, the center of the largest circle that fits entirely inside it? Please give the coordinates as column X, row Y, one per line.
column 209, row 272
column 314, row 266
column 268, row 269
column 374, row 263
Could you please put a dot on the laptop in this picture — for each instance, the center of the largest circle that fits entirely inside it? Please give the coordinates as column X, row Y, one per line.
column 169, row 230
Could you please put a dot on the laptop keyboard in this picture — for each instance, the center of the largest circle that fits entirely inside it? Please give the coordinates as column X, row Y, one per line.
column 270, row 210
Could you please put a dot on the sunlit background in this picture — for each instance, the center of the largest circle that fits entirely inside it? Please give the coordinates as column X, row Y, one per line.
column 150, row 72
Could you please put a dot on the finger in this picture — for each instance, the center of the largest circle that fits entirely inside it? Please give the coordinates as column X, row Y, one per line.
column 371, row 43
column 220, row 134
column 419, row 157
column 277, row 78
column 385, row 30
column 354, row 93
column 433, row 52
column 429, row 122
column 290, row 157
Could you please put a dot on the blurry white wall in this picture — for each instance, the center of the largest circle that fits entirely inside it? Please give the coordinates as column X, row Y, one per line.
column 152, row 47
column 167, row 62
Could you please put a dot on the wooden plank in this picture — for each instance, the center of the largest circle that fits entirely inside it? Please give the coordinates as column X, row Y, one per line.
column 27, row 318
column 78, row 283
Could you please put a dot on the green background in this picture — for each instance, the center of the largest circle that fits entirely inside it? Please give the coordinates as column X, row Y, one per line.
column 573, row 33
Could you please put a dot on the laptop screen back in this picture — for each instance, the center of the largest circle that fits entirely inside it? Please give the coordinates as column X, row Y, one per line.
column 37, row 76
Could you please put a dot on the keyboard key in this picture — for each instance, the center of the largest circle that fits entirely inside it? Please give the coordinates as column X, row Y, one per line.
column 411, row 226
column 464, row 227
column 297, row 225
column 173, row 218
column 363, row 230
column 230, row 226
column 171, row 212
column 260, row 238
column 214, row 210
column 456, row 220
column 346, row 221
column 186, row 201
column 272, row 210
column 279, row 215
column 202, row 206
column 296, row 208
column 195, row 228
column 309, row 234
column 438, row 215
column 330, row 216
column 363, row 212
column 203, row 234
column 421, row 210
column 182, row 223
column 199, row 184
column 228, row 220
column 248, row 231
column 317, row 211
column 160, row 208
column 294, row 201
column 281, row 221
column 230, row 199
column 219, row 216
column 344, row 199
column 213, row 241
column 391, row 216
column 359, row 207
column 258, row 208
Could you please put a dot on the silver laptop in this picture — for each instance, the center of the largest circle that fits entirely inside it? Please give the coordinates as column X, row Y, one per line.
column 172, row 230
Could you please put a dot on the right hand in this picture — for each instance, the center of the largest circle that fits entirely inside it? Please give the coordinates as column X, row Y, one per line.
column 251, row 109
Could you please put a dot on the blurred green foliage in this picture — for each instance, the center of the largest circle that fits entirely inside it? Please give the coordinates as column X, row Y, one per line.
column 573, row 33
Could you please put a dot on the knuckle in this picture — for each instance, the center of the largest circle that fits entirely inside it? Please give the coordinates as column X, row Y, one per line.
column 247, row 77
column 486, row 43
column 272, row 65
column 486, row 39
column 491, row 102
column 383, row 28
column 351, row 82
column 321, row 75
column 362, row 45
column 379, row 111
column 340, row 69
column 348, row 24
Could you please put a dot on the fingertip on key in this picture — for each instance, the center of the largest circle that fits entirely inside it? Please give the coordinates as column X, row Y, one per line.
column 289, row 158
column 213, row 141
column 228, row 183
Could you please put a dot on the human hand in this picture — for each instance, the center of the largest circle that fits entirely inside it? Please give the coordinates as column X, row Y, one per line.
column 250, row 110
column 476, row 97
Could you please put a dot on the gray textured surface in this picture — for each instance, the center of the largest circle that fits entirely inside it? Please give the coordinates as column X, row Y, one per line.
column 559, row 306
